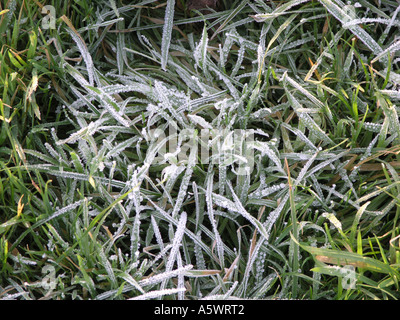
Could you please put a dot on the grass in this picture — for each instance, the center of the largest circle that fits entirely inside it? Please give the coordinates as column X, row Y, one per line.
column 93, row 207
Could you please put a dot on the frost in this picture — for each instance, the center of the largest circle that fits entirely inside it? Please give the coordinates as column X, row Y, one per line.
column 200, row 52
column 167, row 32
column 157, row 233
column 267, row 191
column 164, row 276
column 158, row 294
column 200, row 121
column 277, row 12
column 348, row 15
column 392, row 93
column 60, row 212
column 201, row 263
column 274, row 215
column 332, row 218
column 170, row 171
column 163, row 95
column 210, row 211
column 239, row 61
column 85, row 55
column 266, row 150
column 370, row 20
column 240, row 209
column 175, row 247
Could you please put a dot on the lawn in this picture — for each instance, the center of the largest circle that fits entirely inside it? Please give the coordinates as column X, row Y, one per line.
column 201, row 149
